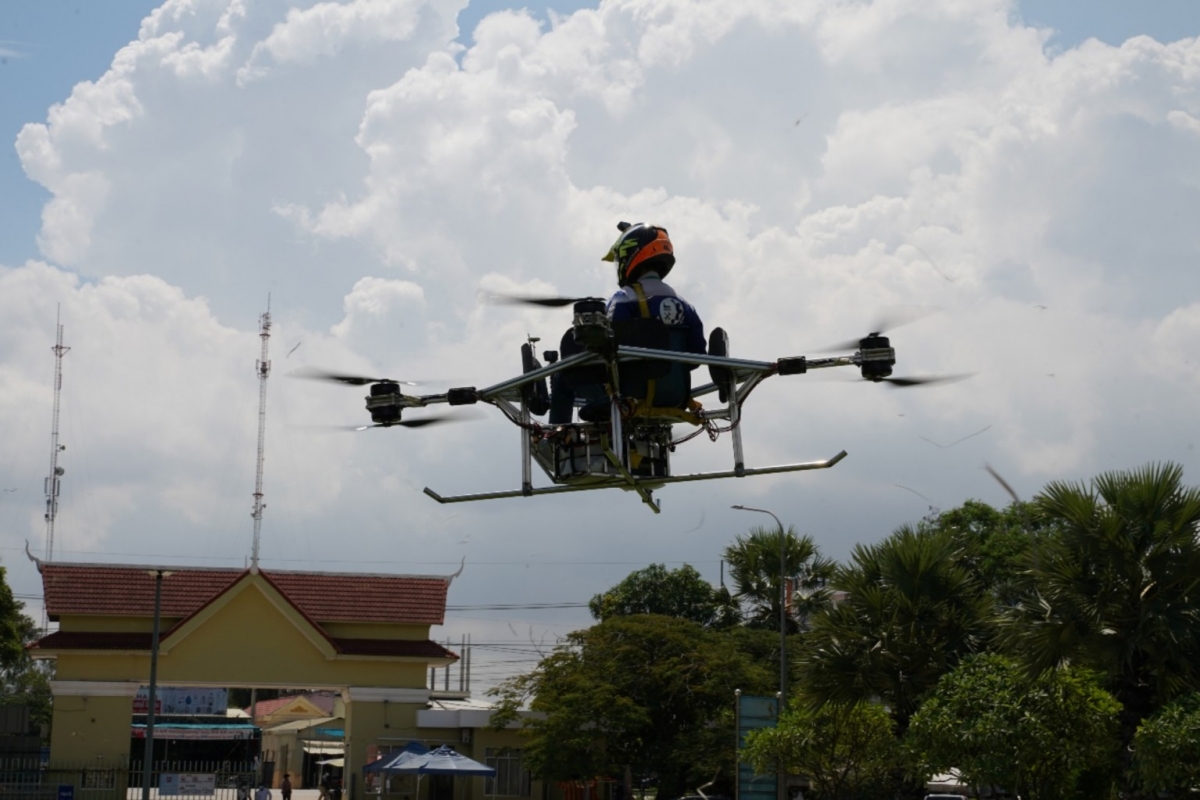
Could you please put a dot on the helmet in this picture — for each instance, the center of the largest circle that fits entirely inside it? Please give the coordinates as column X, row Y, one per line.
column 639, row 249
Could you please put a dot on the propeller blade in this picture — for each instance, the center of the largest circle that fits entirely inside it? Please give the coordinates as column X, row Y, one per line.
column 422, row 422
column 318, row 374
column 887, row 320
column 925, row 380
column 496, row 298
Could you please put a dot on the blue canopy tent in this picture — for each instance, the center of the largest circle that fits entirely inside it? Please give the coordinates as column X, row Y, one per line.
column 442, row 761
column 389, row 762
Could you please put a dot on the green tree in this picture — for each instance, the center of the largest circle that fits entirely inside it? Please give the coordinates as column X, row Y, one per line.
column 671, row 593
column 22, row 680
column 911, row 614
column 843, row 749
column 643, row 693
column 995, row 544
column 1001, row 729
column 1166, row 749
column 754, row 568
column 1117, row 588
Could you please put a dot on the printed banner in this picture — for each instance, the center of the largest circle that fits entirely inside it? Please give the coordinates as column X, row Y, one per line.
column 182, row 700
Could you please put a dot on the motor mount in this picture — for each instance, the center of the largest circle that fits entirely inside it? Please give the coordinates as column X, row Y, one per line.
column 591, row 326
column 384, row 403
column 878, row 357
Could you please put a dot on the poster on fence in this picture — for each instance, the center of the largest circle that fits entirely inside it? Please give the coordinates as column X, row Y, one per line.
column 173, row 784
column 182, row 700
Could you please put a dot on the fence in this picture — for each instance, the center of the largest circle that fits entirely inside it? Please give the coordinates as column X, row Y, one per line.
column 30, row 779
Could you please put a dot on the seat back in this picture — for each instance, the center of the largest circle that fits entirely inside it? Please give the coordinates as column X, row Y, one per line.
column 672, row 381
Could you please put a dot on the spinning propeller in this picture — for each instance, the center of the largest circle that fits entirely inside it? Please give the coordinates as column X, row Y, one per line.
column 386, row 402
column 877, row 354
column 887, row 320
column 499, row 298
column 318, row 374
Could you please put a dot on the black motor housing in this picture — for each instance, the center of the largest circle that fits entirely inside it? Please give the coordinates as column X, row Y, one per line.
column 591, row 326
column 878, row 357
column 383, row 412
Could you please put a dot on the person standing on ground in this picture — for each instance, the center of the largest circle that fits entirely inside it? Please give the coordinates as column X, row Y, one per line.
column 262, row 793
column 285, row 787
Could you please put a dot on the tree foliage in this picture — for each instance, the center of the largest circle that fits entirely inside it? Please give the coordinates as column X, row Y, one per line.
column 911, row 614
column 1167, row 748
column 22, row 680
column 652, row 693
column 1117, row 587
column 1001, row 729
column 994, row 544
column 680, row 593
column 755, row 570
column 843, row 749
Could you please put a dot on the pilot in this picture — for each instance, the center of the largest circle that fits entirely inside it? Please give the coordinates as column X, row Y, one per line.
column 643, row 257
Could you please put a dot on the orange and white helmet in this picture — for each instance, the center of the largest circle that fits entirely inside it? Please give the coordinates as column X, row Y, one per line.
column 640, row 249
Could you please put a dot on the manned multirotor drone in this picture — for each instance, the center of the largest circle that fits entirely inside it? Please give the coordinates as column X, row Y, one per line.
column 614, row 395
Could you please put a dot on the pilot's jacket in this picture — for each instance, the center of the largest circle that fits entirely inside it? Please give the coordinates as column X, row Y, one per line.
column 663, row 304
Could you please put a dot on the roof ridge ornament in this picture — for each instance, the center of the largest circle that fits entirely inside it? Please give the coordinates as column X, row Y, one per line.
column 38, row 561
column 460, row 569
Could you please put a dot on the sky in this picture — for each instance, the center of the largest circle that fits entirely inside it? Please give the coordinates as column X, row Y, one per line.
column 1024, row 173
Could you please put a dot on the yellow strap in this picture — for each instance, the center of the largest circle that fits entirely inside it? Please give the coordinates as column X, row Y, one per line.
column 648, row 402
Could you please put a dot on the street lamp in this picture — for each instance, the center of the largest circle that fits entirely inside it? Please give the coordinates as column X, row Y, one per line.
column 152, row 691
column 781, row 778
column 782, row 606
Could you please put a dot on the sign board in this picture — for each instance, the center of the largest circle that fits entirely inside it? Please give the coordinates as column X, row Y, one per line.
column 196, row 732
column 66, row 791
column 754, row 713
column 182, row 700
column 173, row 784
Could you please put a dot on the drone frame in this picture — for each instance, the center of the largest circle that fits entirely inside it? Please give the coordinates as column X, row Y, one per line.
column 875, row 358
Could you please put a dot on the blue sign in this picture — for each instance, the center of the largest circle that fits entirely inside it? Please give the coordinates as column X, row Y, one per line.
column 754, row 713
column 66, row 791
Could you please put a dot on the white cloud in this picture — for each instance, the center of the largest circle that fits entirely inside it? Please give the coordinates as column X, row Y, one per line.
column 814, row 162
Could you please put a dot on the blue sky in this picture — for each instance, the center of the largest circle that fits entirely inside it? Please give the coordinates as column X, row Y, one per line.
column 53, row 44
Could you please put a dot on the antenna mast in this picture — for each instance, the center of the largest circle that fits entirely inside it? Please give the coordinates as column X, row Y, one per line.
column 263, row 368
column 56, row 472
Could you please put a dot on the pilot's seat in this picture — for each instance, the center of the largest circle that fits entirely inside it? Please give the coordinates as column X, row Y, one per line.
column 662, row 388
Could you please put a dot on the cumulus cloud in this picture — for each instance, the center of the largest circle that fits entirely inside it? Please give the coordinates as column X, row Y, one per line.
column 814, row 163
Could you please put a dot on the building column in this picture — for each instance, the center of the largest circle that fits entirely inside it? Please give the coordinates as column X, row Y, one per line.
column 92, row 720
column 375, row 715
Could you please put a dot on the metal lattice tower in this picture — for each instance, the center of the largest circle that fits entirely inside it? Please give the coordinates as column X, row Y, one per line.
column 54, row 480
column 263, row 368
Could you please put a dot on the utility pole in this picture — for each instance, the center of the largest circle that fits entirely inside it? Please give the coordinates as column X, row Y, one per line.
column 53, row 481
column 263, row 368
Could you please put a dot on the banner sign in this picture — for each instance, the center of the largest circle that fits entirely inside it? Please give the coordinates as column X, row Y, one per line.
column 754, row 713
column 208, row 732
column 173, row 784
column 182, row 700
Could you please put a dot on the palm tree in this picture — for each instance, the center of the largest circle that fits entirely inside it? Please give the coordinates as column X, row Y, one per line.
column 753, row 560
column 912, row 612
column 1117, row 587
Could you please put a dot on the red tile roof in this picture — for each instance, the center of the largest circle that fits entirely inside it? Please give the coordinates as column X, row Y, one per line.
column 108, row 590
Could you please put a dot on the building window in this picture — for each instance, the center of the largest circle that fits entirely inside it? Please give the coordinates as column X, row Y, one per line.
column 512, row 779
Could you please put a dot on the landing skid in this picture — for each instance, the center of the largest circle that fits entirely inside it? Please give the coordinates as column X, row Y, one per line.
column 643, row 486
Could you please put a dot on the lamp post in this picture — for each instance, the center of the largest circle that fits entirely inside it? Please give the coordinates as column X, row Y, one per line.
column 782, row 779
column 152, row 691
column 782, row 605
